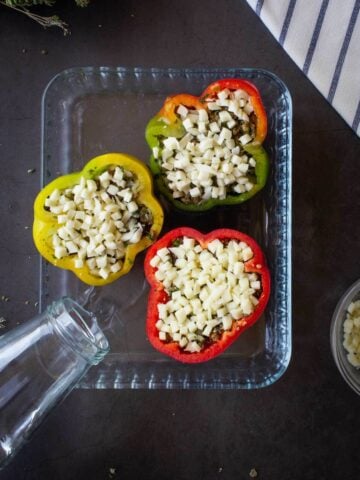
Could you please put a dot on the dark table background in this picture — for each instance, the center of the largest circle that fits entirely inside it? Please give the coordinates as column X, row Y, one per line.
column 306, row 425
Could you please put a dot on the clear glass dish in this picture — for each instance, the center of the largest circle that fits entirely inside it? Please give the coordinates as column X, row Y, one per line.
column 93, row 110
column 350, row 374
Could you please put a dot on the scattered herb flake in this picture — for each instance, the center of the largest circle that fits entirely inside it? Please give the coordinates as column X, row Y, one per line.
column 176, row 242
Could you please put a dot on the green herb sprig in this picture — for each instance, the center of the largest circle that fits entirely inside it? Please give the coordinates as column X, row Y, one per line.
column 24, row 6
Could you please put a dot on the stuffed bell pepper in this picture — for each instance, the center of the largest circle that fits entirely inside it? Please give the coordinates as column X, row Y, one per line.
column 94, row 222
column 205, row 291
column 207, row 150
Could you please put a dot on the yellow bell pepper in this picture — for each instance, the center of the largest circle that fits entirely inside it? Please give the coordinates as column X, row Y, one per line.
column 45, row 222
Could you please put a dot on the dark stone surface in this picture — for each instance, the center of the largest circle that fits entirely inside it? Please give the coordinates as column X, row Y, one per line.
column 306, row 425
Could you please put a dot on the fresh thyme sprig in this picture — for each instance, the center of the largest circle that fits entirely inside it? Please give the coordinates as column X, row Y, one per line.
column 22, row 6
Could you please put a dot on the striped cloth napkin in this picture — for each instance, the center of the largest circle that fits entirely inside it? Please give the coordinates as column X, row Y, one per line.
column 323, row 38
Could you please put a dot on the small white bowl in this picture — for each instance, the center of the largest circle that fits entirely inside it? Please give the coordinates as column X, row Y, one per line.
column 350, row 374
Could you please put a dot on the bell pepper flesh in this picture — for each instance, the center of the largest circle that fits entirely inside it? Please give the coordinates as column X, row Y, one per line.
column 45, row 223
column 158, row 294
column 168, row 124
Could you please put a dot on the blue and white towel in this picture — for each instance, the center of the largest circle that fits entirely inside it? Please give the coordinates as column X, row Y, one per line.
column 323, row 38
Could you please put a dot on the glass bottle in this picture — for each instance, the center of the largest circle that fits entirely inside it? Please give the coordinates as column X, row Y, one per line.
column 40, row 363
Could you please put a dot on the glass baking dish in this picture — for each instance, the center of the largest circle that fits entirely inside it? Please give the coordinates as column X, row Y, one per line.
column 93, row 110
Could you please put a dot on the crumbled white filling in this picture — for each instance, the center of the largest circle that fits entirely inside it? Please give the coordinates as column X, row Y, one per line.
column 97, row 218
column 209, row 160
column 352, row 333
column 208, row 289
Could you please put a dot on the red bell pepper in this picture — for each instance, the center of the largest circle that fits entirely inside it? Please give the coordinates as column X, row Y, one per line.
column 159, row 295
column 233, row 84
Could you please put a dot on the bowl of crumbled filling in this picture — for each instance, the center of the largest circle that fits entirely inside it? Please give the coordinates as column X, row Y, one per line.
column 345, row 336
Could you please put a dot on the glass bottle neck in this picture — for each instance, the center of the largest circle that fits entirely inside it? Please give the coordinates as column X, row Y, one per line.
column 79, row 329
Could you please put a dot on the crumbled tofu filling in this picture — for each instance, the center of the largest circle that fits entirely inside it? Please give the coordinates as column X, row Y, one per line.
column 97, row 218
column 209, row 161
column 352, row 333
column 208, row 290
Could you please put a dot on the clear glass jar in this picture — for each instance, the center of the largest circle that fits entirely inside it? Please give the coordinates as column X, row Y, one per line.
column 40, row 363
